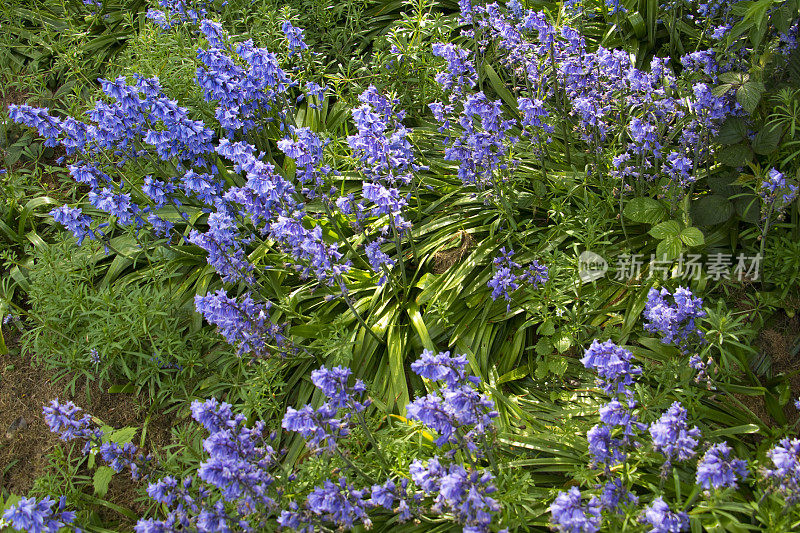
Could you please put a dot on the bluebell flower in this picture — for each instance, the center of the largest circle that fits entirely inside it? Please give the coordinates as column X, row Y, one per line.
column 662, row 520
column 38, row 516
column 333, row 384
column 245, row 323
column 718, row 470
column 339, row 503
column 509, row 275
column 441, row 367
column 615, row 494
column 784, row 478
column 569, row 515
column 74, row 220
column 672, row 436
column 294, row 36
column 776, row 193
column 613, row 366
column 69, row 421
column 675, row 322
column 604, row 448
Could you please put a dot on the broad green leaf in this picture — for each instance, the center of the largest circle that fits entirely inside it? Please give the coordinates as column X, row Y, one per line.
column 711, row 209
column 732, row 131
column 122, row 435
column 644, row 210
column 749, row 95
column 767, row 139
column 101, row 480
column 692, row 237
column 669, row 248
column 558, row 365
column 735, row 155
column 544, row 346
column 669, row 228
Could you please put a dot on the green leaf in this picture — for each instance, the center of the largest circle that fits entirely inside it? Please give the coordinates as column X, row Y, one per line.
column 669, row 248
column 767, row 139
column 749, row 95
column 735, row 155
column 669, row 228
column 544, row 346
column 517, row 373
column 127, row 388
column 748, row 208
column 692, row 237
column 734, row 78
column 737, row 430
column 644, row 210
column 542, row 369
column 563, row 342
column 546, row 328
column 711, row 209
column 558, row 366
column 732, row 131
column 123, row 435
column 102, row 478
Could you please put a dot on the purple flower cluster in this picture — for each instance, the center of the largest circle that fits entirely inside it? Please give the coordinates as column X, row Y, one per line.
column 457, row 411
column 238, row 467
column 672, row 436
column 74, row 220
column 659, row 516
column 463, row 493
column 69, row 421
column 675, row 322
column 613, row 365
column 776, row 193
column 618, row 425
column 718, row 470
column 38, row 516
column 508, row 275
column 593, row 92
column 178, row 12
column 569, row 515
column 321, row 427
column 784, row 478
column 243, row 322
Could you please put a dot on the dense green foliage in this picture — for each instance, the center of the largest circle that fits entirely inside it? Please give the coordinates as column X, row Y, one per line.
column 120, row 310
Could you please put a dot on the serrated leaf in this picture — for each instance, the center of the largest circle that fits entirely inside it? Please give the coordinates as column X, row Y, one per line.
column 692, row 237
column 544, row 347
column 644, row 210
column 767, row 139
column 102, row 479
column 669, row 228
column 712, row 209
column 546, row 328
column 732, row 131
column 721, row 90
column 558, row 366
column 749, row 95
column 542, row 369
column 736, row 155
column 669, row 248
column 563, row 342
column 735, row 78
column 122, row 435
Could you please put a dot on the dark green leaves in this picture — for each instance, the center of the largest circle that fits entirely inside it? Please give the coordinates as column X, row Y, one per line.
column 644, row 210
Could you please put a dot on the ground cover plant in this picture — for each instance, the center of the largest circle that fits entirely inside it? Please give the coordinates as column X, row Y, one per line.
column 418, row 266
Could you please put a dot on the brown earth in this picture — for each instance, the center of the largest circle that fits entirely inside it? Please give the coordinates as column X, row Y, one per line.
column 26, row 442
